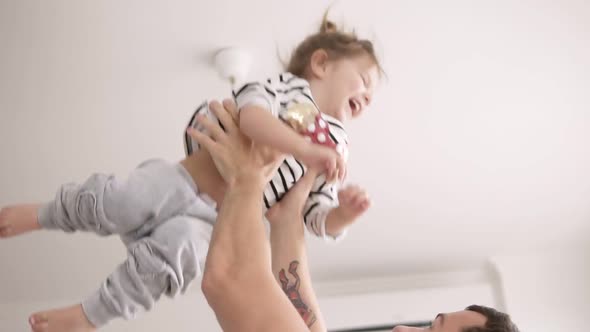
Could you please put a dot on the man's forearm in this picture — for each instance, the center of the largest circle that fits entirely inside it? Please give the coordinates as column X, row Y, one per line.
column 238, row 282
column 290, row 268
column 240, row 212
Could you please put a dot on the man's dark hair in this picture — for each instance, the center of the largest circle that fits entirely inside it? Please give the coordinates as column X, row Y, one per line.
column 496, row 321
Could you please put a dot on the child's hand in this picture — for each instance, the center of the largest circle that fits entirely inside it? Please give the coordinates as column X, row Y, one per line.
column 325, row 160
column 354, row 201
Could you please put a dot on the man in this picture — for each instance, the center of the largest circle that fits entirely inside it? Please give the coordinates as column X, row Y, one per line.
column 240, row 280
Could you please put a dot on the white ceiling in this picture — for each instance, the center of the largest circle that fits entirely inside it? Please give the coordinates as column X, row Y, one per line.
column 477, row 144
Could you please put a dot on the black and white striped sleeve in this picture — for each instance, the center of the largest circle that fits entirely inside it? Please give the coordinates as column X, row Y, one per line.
column 261, row 94
column 322, row 199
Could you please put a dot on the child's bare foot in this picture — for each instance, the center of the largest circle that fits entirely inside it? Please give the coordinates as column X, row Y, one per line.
column 18, row 219
column 70, row 319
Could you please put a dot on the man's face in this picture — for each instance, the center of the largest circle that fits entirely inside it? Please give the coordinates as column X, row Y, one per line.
column 452, row 322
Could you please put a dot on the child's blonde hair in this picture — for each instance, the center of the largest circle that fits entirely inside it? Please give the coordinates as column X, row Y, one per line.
column 336, row 43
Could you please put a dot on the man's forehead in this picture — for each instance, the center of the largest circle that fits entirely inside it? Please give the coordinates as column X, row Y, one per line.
column 455, row 321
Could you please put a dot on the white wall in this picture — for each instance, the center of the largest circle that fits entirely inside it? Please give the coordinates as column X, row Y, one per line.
column 548, row 291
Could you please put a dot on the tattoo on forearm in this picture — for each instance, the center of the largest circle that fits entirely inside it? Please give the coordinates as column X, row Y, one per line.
column 293, row 293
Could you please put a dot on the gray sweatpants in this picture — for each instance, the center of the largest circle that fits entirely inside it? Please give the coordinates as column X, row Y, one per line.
column 162, row 219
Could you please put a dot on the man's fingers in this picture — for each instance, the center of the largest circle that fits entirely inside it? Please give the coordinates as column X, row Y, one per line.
column 300, row 191
column 306, row 182
column 231, row 108
column 213, row 128
column 303, row 186
column 226, row 119
column 204, row 140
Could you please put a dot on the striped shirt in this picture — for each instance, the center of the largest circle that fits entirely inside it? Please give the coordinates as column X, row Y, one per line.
column 277, row 95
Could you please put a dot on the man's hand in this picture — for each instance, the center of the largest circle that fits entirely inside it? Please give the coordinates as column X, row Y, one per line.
column 234, row 154
column 290, row 209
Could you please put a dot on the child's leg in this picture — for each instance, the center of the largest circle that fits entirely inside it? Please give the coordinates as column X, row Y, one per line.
column 70, row 318
column 164, row 263
column 18, row 219
column 103, row 204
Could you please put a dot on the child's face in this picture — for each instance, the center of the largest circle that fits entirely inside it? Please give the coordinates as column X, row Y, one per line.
column 350, row 83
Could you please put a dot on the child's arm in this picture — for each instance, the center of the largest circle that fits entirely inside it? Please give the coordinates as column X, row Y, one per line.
column 263, row 127
column 329, row 210
column 322, row 200
column 353, row 202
